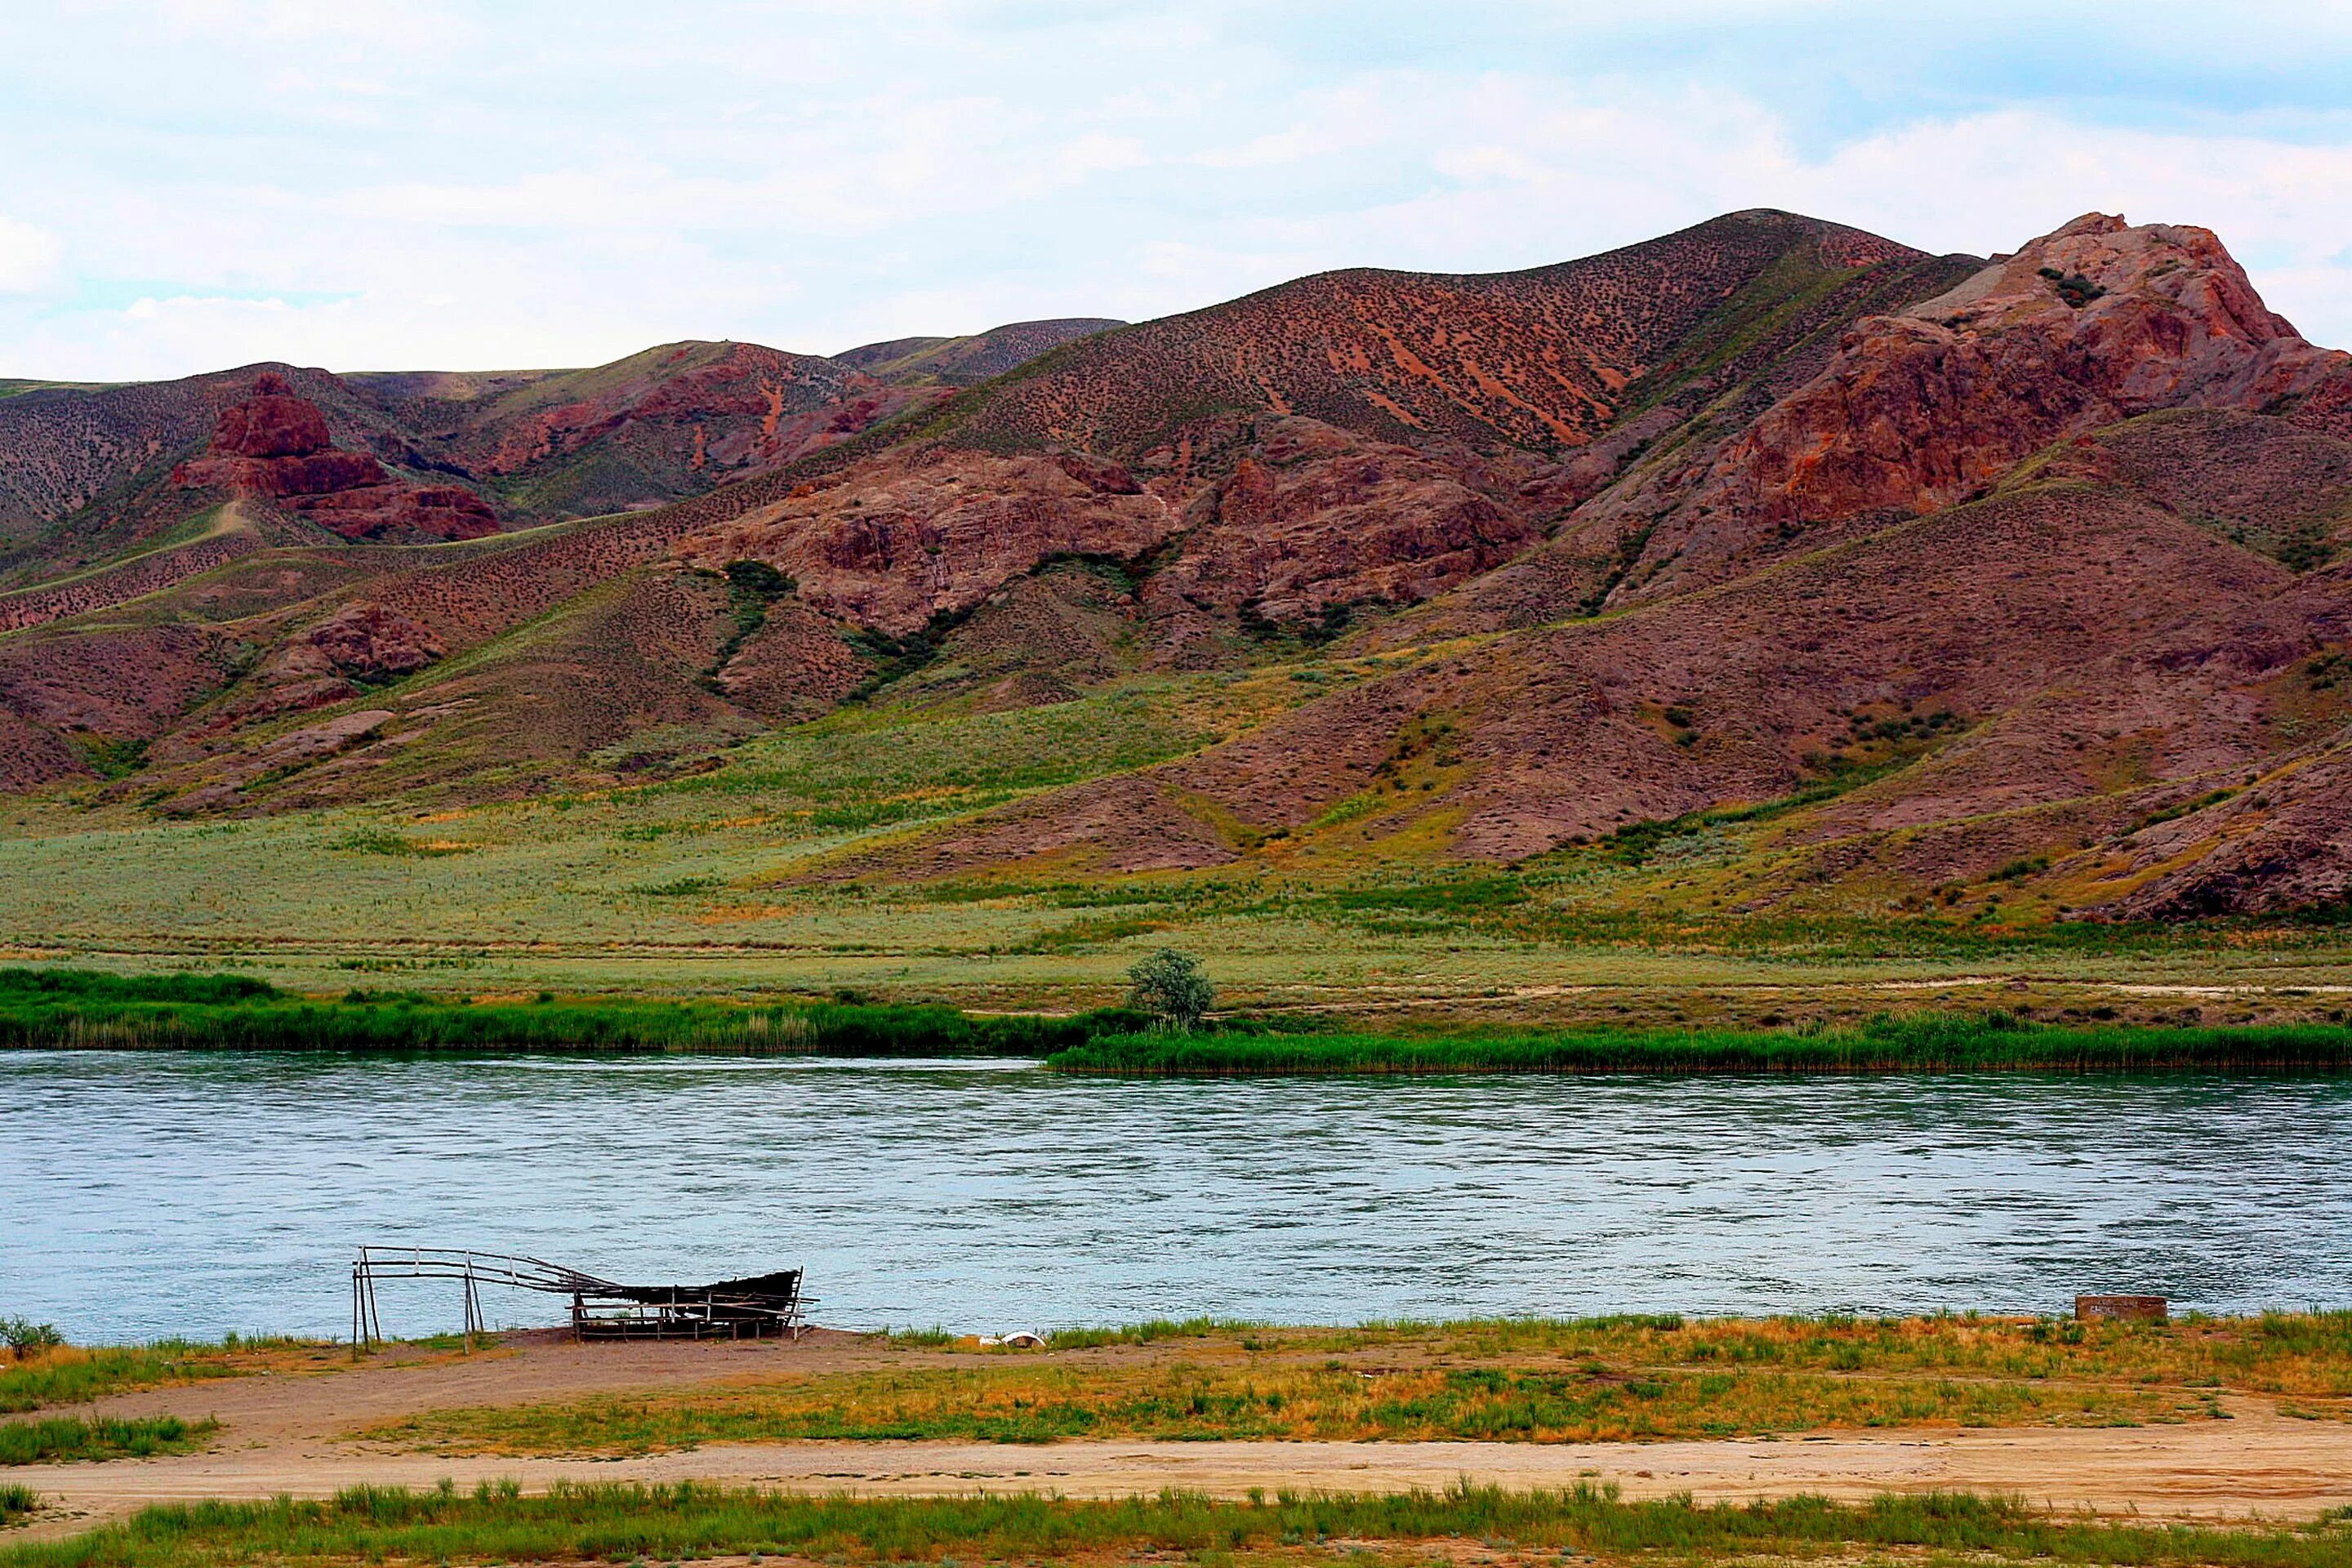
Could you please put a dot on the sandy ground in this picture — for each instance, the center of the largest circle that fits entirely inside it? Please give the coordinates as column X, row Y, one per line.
column 283, row 1434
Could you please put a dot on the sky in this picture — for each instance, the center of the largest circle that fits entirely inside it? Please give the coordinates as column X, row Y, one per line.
column 433, row 184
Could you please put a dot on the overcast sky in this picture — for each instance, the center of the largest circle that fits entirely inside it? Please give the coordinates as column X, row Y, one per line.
column 393, row 183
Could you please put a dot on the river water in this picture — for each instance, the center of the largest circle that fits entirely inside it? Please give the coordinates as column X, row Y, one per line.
column 148, row 1195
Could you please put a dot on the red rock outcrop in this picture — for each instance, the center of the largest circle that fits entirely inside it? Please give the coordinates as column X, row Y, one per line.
column 1314, row 523
column 276, row 445
column 914, row 534
column 2094, row 324
column 374, row 643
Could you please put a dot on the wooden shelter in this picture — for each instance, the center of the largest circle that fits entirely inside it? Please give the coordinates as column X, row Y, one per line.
column 759, row 1307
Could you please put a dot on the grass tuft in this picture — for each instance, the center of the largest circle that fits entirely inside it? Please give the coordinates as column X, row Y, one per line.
column 63, row 1438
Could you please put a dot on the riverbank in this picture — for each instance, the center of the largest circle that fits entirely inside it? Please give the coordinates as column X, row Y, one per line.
column 68, row 1009
column 2252, row 1420
column 1632, row 1377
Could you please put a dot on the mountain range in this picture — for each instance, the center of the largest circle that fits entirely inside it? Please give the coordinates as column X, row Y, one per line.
column 2022, row 582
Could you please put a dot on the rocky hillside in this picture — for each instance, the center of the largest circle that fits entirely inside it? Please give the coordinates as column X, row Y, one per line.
column 86, row 472
column 968, row 362
column 1953, row 580
column 671, row 422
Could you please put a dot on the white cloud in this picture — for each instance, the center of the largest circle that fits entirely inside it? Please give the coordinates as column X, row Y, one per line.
column 28, row 257
column 470, row 185
column 376, row 24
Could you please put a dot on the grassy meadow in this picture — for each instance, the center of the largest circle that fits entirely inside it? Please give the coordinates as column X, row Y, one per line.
column 621, row 1523
column 717, row 885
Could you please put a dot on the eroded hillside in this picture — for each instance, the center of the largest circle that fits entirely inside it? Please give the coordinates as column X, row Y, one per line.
column 1771, row 566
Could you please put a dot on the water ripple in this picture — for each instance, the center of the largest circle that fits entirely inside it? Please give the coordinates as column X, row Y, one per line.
column 146, row 1195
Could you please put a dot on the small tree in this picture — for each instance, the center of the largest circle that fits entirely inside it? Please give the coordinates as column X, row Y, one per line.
column 1171, row 988
column 26, row 1338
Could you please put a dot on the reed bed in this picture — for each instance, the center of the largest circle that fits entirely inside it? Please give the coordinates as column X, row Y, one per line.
column 626, row 1524
column 81, row 1010
column 63, row 1438
column 1932, row 1044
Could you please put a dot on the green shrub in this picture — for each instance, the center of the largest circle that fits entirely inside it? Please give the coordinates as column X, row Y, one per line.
column 25, row 1337
column 1173, row 987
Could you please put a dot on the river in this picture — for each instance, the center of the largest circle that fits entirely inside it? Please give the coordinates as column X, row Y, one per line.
column 144, row 1195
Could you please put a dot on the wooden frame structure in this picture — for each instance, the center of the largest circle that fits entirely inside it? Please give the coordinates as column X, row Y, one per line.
column 756, row 1308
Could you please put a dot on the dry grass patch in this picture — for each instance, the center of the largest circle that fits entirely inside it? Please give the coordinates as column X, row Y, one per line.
column 73, row 1374
column 1273, row 1400
column 2276, row 1353
column 1605, row 1379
